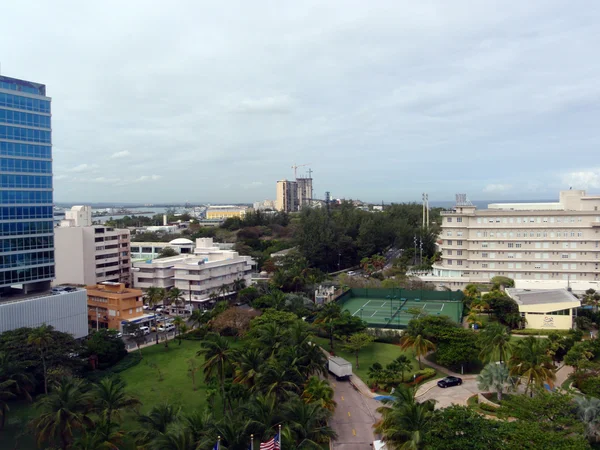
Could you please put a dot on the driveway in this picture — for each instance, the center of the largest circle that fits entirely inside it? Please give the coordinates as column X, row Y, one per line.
column 353, row 418
column 444, row 397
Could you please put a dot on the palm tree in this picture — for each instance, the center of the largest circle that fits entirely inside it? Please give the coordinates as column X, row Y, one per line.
column 375, row 372
column 308, row 424
column 248, row 363
column 402, row 364
column 199, row 424
column 179, row 324
column 175, row 296
column 176, row 438
column 588, row 410
column 530, row 360
column 223, row 290
column 473, row 319
column 6, row 391
column 326, row 319
column 495, row 342
column 319, row 391
column 233, row 431
column 263, row 412
column 239, row 284
column 217, row 359
column 280, row 380
column 153, row 296
column 102, row 436
column 62, row 412
column 404, row 421
column 41, row 338
column 419, row 344
column 494, row 376
column 156, row 423
column 110, row 398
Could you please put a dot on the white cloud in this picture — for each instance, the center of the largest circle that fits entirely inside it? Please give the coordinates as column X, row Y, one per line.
column 584, row 179
column 60, row 177
column 103, row 180
column 122, row 154
column 267, row 105
column 495, row 188
column 147, row 178
column 252, row 185
column 84, row 168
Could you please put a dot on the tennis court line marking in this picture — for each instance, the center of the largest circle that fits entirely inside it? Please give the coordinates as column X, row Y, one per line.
column 368, row 301
column 384, row 303
column 442, row 306
column 374, row 313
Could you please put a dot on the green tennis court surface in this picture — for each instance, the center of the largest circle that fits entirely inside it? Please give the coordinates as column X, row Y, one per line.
column 389, row 308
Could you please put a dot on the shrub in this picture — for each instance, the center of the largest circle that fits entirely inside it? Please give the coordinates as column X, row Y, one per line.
column 384, row 336
column 197, row 334
column 487, row 407
column 422, row 375
column 589, row 386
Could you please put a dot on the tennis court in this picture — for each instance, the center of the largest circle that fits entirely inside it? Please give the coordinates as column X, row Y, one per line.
column 387, row 308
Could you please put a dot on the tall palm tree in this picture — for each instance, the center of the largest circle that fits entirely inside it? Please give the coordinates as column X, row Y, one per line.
column 308, row 424
column 262, row 412
column 7, row 389
column 175, row 296
column 326, row 318
column 494, row 376
column 41, row 338
column 419, row 344
column 233, row 431
column 153, row 296
column 102, row 435
column 223, row 290
column 199, row 424
column 239, row 284
column 217, row 359
column 176, row 438
column 530, row 361
column 110, row 398
column 402, row 364
column 280, row 380
column 248, row 363
column 319, row 391
column 495, row 342
column 404, row 421
column 156, row 423
column 179, row 324
column 62, row 412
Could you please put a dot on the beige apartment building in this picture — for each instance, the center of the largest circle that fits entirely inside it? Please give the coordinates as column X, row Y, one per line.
column 539, row 245
column 112, row 304
column 89, row 255
column 287, row 196
column 197, row 275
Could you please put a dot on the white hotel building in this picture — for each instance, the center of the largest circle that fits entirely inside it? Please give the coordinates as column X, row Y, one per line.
column 200, row 273
column 539, row 245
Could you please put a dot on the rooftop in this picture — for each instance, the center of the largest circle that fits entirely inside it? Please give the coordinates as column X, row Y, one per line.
column 541, row 296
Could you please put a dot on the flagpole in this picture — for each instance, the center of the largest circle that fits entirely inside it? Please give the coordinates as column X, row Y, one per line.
column 218, row 442
column 280, row 445
column 251, row 442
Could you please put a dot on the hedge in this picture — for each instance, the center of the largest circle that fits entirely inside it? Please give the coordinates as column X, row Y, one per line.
column 534, row 332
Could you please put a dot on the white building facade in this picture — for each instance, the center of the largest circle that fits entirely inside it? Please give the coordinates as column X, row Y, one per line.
column 546, row 309
column 545, row 245
column 92, row 255
column 198, row 275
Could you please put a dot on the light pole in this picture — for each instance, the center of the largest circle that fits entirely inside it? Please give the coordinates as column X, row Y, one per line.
column 339, row 260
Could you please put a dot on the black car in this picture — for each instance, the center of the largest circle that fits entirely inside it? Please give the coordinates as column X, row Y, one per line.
column 449, row 381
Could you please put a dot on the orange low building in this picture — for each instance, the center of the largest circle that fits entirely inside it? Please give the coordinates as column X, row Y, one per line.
column 110, row 303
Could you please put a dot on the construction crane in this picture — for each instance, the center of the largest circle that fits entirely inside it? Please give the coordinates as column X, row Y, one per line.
column 295, row 167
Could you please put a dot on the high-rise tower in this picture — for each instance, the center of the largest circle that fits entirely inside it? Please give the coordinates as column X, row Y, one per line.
column 26, row 209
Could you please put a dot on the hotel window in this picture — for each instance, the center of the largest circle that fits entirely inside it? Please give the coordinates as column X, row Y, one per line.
column 538, row 256
column 573, row 255
column 518, row 220
column 511, row 256
column 497, row 219
column 545, row 234
column 479, row 234
column 545, row 266
column 449, row 252
column 538, row 245
column 449, row 233
column 572, row 234
column 565, row 267
column 546, row 245
column 449, row 262
column 459, row 242
column 449, row 219
column 537, row 266
column 579, row 234
column 484, row 255
column 511, row 234
column 510, row 245
column 573, row 244
column 449, row 242
column 558, row 220
column 504, row 220
column 484, row 245
column 485, row 234
column 492, row 255
column 531, row 220
column 459, row 252
column 459, row 233
column 519, row 255
column 485, row 220
column 484, row 266
column 552, row 235
column 479, row 220
column 573, row 266
column 511, row 265
column 518, row 245
column 531, row 234
column 564, row 256
column 545, row 220
column 459, row 219
column 551, row 219
column 459, row 262
column 539, row 234
column 517, row 265
column 539, row 220
column 491, row 234
column 546, row 256
column 511, row 220
column 519, row 234
column 565, row 245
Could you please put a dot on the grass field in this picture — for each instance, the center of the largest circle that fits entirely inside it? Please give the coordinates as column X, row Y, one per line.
column 376, row 352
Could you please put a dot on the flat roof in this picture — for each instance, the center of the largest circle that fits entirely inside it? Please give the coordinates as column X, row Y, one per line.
column 541, row 296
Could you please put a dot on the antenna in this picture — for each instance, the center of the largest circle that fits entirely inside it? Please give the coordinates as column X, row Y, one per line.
column 310, row 171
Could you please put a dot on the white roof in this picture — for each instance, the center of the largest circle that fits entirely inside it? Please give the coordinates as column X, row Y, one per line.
column 181, row 241
column 542, row 296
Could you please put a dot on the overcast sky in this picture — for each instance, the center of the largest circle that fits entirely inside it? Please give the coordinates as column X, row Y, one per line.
column 158, row 101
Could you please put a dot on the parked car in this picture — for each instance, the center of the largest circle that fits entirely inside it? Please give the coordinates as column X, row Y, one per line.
column 166, row 327
column 449, row 381
column 145, row 330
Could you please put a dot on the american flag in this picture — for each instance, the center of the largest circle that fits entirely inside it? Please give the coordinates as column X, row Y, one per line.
column 273, row 444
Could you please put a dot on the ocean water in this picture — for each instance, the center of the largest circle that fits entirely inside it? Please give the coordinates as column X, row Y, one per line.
column 483, row 204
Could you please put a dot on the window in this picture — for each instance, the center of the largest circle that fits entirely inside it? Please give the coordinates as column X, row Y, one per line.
column 573, row 266
column 449, row 252
column 538, row 245
column 449, row 233
column 449, row 262
column 579, row 234
column 565, row 267
column 510, row 245
column 565, row 256
column 459, row 252
column 479, row 220
column 517, row 265
column 484, row 245
column 511, row 256
column 459, row 242
column 538, row 256
column 546, row 256
column 484, row 255
column 492, row 255
column 511, row 265
column 518, row 245
column 573, row 256
column 459, row 262
column 449, row 219
column 573, row 244
column 546, row 245
column 459, row 219
column 479, row 234
column 537, row 266
column 449, row 242
column 459, row 233
column 545, row 220
column 484, row 266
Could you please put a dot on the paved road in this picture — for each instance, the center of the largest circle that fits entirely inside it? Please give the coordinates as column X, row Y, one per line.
column 444, row 397
column 353, row 418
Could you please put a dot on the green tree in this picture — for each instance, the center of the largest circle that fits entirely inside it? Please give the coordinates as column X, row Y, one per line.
column 327, row 317
column 156, row 423
column 531, row 362
column 419, row 344
column 175, row 296
column 193, row 367
column 494, row 340
column 110, row 398
column 494, row 376
column 7, row 389
column 217, row 359
column 357, row 342
column 307, row 423
column 41, row 338
column 319, row 391
column 588, row 410
column 179, row 323
column 248, row 363
column 107, row 346
column 401, row 364
column 167, row 252
column 61, row 413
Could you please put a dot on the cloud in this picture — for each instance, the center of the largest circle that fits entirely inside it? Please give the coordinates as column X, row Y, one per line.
column 147, row 178
column 496, row 188
column 584, row 179
column 60, row 177
column 84, row 168
column 122, row 154
column 267, row 105
column 252, row 185
column 103, row 180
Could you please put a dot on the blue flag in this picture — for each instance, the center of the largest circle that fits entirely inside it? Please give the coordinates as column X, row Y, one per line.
column 216, row 447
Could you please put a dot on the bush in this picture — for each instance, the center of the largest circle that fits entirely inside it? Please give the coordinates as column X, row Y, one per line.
column 534, row 332
column 197, row 334
column 589, row 386
column 385, row 336
column 487, row 407
column 422, row 375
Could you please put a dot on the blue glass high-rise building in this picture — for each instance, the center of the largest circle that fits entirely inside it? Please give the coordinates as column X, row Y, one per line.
column 26, row 208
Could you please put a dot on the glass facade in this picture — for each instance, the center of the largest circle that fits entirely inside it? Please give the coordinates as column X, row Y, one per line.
column 26, row 212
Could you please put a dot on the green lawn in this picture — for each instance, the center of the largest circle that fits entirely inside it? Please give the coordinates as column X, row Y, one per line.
column 176, row 387
column 376, row 352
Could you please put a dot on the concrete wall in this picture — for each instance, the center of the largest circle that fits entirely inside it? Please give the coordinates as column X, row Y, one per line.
column 542, row 321
column 68, row 254
column 66, row 312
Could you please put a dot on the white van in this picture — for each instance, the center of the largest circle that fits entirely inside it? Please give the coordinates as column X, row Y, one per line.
column 145, row 330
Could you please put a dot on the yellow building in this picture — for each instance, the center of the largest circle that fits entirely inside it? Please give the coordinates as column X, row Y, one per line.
column 553, row 309
column 225, row 212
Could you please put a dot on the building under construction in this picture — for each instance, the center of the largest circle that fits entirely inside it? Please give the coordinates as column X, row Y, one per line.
column 294, row 195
